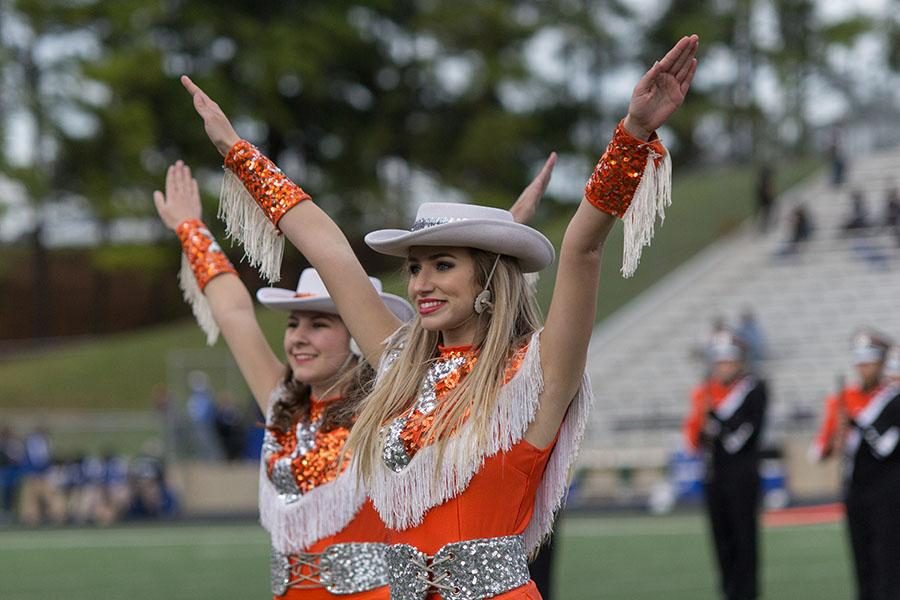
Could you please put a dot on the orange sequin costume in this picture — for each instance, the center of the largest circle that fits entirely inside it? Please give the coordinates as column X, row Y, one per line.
column 309, row 457
column 479, row 511
column 267, row 184
column 203, row 253
column 319, row 463
column 419, row 420
column 618, row 173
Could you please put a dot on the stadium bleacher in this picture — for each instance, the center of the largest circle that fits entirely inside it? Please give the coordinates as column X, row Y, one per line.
column 808, row 304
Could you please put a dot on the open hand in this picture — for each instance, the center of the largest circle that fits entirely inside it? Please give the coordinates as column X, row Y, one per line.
column 216, row 124
column 182, row 198
column 526, row 205
column 662, row 89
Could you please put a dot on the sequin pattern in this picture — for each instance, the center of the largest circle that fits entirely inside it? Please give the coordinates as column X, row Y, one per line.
column 304, row 457
column 426, row 223
column 270, row 187
column 341, row 569
column 406, row 435
column 467, row 570
column 618, row 172
column 202, row 251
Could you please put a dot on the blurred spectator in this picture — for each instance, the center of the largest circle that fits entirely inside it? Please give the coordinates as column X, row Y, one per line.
column 170, row 423
column 859, row 216
column 229, row 427
column 750, row 332
column 836, row 158
column 152, row 496
column 800, row 228
column 256, row 431
column 892, row 208
column 40, row 497
column 116, row 484
column 765, row 196
column 201, row 409
column 12, row 454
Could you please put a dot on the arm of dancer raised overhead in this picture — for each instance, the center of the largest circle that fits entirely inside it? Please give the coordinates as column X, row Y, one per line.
column 525, row 206
column 228, row 300
column 307, row 227
column 627, row 173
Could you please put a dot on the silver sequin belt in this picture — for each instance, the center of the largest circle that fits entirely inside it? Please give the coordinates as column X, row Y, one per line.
column 341, row 569
column 468, row 570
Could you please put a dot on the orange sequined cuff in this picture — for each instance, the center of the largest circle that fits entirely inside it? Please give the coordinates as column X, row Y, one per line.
column 619, row 171
column 267, row 184
column 203, row 253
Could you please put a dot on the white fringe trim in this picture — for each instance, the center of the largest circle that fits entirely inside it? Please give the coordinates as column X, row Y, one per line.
column 319, row 513
column 652, row 197
column 246, row 223
column 199, row 305
column 402, row 499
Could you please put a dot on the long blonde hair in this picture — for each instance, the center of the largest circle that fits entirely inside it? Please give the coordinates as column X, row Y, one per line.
column 515, row 315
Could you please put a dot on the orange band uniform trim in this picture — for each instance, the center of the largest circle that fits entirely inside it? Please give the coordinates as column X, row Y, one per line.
column 618, row 173
column 267, row 184
column 203, row 253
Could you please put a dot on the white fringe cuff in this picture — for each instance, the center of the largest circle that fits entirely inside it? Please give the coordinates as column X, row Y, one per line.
column 199, row 305
column 247, row 224
column 652, row 197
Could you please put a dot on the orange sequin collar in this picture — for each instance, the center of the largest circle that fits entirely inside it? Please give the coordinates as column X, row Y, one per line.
column 304, row 457
column 408, row 434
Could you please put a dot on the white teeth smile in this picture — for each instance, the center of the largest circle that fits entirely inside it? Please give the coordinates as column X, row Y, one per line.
column 429, row 304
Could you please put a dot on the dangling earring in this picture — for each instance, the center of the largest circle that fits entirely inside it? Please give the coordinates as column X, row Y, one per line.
column 483, row 299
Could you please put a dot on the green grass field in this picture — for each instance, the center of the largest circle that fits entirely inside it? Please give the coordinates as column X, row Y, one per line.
column 599, row 558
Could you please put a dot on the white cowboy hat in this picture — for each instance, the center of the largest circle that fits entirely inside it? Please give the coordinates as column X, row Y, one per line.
column 469, row 226
column 312, row 295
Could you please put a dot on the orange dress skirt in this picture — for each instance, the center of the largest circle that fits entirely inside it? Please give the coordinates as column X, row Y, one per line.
column 499, row 501
column 365, row 527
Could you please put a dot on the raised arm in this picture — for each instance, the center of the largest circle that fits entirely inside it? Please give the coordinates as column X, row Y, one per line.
column 307, row 227
column 630, row 171
column 229, row 302
column 526, row 204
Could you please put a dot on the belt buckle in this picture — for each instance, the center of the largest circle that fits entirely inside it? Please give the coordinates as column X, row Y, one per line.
column 353, row 567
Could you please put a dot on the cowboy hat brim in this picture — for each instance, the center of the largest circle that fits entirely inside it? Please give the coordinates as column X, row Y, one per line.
column 282, row 299
column 533, row 250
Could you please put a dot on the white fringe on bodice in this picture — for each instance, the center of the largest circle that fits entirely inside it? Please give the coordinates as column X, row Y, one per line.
column 319, row 513
column 402, row 499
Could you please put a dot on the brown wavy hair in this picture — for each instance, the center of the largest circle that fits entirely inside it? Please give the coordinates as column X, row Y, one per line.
column 354, row 384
